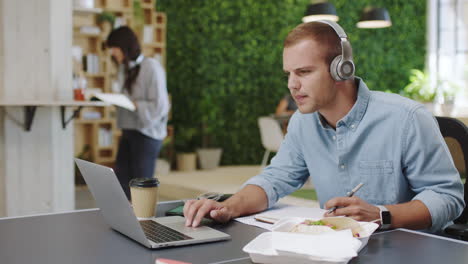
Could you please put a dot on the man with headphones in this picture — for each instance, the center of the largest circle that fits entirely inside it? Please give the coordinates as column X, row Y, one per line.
column 344, row 134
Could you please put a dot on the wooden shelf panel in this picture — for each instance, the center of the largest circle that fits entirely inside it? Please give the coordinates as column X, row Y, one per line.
column 86, row 35
column 95, row 75
column 104, row 160
column 161, row 18
column 121, row 10
column 154, row 45
column 83, row 10
column 105, row 148
column 147, row 6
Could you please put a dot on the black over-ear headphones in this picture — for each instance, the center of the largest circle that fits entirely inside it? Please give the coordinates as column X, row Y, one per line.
column 342, row 66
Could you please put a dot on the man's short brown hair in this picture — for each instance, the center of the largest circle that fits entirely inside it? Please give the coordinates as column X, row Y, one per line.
column 320, row 32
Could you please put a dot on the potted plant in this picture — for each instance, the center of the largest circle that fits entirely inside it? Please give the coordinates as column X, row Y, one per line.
column 185, row 142
column 209, row 156
column 106, row 21
column 163, row 163
column 446, row 96
column 419, row 88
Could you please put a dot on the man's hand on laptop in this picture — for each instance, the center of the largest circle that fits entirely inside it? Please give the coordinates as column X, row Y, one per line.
column 195, row 210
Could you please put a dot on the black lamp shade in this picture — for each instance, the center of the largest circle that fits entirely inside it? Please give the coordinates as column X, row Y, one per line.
column 320, row 11
column 374, row 17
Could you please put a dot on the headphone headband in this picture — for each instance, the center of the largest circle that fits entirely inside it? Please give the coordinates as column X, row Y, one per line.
column 338, row 29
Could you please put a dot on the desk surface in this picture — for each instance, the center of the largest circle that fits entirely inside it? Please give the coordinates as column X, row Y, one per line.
column 84, row 237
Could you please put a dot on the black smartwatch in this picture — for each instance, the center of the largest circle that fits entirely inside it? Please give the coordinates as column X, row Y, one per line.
column 385, row 218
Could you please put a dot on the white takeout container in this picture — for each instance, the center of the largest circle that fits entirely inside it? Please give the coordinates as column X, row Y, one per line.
column 287, row 224
column 261, row 249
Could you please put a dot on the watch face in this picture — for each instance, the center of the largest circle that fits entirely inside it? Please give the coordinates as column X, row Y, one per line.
column 386, row 218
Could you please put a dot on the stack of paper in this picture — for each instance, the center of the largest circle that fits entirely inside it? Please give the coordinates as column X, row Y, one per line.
column 278, row 212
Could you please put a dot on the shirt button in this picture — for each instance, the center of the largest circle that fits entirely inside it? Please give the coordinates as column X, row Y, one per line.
column 334, row 138
column 342, row 166
column 352, row 126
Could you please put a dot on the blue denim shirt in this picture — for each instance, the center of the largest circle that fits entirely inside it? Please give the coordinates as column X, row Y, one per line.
column 390, row 143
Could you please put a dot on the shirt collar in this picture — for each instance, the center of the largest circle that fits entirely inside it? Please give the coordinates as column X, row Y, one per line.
column 358, row 110
column 354, row 117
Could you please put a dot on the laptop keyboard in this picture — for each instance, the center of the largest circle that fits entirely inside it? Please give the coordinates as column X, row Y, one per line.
column 159, row 233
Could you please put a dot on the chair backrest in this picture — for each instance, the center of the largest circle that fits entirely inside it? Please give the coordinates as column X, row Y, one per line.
column 270, row 133
column 453, row 128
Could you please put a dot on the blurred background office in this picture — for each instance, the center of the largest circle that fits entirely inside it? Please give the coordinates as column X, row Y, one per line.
column 223, row 61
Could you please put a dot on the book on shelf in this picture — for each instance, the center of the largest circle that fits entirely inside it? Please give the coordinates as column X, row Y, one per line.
column 91, row 63
column 147, row 34
column 119, row 100
column 105, row 137
column 91, row 115
column 92, row 30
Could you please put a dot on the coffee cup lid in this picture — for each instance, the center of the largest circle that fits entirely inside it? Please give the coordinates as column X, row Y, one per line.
column 144, row 182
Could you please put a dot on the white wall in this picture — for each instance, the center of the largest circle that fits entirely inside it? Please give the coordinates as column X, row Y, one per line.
column 2, row 135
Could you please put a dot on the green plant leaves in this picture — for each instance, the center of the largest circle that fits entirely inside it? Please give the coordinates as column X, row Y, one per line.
column 419, row 87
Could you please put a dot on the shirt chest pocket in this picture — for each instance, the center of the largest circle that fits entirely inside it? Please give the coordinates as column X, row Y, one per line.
column 379, row 181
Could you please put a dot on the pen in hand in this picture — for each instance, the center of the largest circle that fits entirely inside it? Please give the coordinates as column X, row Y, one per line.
column 348, row 194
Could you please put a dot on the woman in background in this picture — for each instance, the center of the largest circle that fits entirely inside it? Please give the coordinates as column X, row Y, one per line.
column 286, row 106
column 285, row 109
column 143, row 80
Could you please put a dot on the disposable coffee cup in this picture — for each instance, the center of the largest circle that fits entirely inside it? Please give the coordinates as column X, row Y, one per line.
column 144, row 192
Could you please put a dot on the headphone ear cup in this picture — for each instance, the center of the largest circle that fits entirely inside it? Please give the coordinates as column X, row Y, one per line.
column 341, row 70
column 346, row 69
column 334, row 69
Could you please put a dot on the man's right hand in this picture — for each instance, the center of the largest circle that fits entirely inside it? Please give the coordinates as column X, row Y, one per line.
column 195, row 210
column 251, row 199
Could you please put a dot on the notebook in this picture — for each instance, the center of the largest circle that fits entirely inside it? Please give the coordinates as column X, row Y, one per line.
column 155, row 232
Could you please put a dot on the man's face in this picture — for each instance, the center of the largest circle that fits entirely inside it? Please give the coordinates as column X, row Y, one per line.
column 309, row 79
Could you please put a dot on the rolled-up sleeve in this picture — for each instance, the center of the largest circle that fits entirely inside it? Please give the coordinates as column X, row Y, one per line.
column 430, row 170
column 287, row 171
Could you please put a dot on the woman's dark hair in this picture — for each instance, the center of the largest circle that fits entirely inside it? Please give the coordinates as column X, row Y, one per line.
column 125, row 39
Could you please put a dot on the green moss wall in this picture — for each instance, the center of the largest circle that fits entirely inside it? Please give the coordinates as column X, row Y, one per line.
column 225, row 70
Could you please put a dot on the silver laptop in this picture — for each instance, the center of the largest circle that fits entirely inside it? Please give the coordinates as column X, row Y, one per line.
column 153, row 232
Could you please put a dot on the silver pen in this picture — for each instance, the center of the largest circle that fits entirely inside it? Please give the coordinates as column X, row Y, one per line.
column 348, row 194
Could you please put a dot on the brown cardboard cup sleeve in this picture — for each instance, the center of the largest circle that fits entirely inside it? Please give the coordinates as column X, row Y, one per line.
column 144, row 193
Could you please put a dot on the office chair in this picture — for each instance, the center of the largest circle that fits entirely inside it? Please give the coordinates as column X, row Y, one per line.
column 271, row 135
column 453, row 128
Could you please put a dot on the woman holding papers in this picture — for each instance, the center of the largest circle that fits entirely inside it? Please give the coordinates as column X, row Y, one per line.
column 143, row 80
